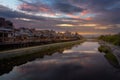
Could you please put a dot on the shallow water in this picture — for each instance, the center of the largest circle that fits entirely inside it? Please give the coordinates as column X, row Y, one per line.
column 81, row 62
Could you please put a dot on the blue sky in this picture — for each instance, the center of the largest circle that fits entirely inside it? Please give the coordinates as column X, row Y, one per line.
column 9, row 3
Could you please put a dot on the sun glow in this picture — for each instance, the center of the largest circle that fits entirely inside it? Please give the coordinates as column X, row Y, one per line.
column 65, row 25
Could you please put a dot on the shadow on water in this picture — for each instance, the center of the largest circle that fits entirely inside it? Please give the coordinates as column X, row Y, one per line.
column 6, row 65
column 111, row 58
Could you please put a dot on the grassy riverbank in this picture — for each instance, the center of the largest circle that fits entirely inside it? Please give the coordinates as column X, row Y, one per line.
column 111, row 58
column 104, row 49
column 21, row 56
column 114, row 39
column 18, row 45
column 36, row 49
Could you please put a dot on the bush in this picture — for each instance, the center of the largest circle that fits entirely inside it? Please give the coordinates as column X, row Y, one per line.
column 114, row 39
column 104, row 49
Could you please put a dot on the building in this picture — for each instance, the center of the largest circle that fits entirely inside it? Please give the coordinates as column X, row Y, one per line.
column 6, row 30
column 9, row 34
column 23, row 35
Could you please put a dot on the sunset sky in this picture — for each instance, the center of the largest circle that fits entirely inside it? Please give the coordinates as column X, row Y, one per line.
column 88, row 17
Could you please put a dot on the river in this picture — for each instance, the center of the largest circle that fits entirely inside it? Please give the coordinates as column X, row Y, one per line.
column 81, row 62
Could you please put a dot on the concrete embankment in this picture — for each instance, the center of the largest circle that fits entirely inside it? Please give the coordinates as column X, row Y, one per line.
column 36, row 49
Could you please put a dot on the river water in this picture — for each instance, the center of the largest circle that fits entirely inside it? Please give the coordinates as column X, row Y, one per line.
column 81, row 62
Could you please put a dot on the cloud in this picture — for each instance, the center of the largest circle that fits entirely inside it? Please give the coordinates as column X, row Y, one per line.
column 25, row 20
column 55, row 5
column 48, row 14
column 65, row 25
column 34, row 8
column 106, row 11
column 9, row 13
column 67, row 8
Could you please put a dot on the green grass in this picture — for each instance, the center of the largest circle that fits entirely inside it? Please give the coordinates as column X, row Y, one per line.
column 113, row 39
column 104, row 49
column 111, row 58
column 16, row 58
column 37, row 49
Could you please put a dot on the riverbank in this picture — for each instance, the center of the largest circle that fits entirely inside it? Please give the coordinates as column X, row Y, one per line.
column 112, row 39
column 17, row 45
column 111, row 49
column 11, row 58
column 36, row 49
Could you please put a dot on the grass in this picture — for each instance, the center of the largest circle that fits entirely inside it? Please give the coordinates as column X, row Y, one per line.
column 111, row 58
column 15, row 57
column 104, row 49
column 36, row 49
column 113, row 39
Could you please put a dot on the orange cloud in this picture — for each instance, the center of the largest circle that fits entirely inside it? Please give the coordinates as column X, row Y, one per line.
column 44, row 9
column 84, row 12
column 73, row 16
column 40, row 8
column 88, row 18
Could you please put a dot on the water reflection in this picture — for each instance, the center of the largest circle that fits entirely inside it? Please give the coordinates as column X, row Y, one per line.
column 87, row 47
column 111, row 58
column 72, row 64
column 7, row 65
